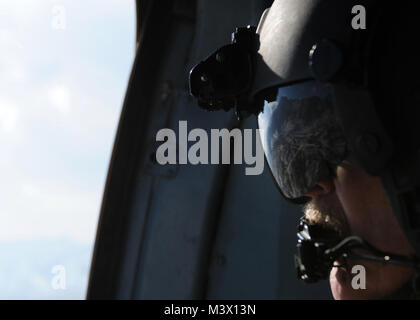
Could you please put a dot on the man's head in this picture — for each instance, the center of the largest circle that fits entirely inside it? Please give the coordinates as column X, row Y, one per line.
column 344, row 141
column 337, row 110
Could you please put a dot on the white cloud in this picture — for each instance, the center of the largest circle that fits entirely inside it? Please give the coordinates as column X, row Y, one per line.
column 47, row 210
column 26, row 269
column 61, row 95
column 9, row 115
column 12, row 66
column 60, row 98
column 30, row 190
column 10, row 39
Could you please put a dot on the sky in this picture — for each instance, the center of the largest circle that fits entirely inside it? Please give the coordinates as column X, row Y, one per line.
column 64, row 68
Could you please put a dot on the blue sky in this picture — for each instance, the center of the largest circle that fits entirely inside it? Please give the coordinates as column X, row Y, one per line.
column 61, row 92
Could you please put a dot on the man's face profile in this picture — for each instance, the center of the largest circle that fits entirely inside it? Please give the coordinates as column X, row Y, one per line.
column 355, row 203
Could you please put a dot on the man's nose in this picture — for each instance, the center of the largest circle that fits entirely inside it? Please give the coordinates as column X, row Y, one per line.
column 322, row 188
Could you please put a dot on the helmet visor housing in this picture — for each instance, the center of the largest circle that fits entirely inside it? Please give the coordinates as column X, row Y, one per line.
column 301, row 136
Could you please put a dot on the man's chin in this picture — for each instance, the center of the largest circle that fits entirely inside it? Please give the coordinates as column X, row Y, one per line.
column 380, row 287
column 340, row 284
column 341, row 287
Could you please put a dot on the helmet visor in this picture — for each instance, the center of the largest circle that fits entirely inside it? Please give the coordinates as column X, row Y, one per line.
column 302, row 139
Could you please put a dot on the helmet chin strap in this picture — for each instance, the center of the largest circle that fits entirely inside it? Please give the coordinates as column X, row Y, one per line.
column 319, row 248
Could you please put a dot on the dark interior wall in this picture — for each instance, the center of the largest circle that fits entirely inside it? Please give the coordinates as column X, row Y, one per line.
column 185, row 231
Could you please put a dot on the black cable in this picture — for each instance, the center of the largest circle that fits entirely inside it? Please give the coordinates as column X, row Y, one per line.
column 345, row 248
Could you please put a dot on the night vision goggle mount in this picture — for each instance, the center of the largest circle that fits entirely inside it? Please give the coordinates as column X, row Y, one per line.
column 222, row 81
column 319, row 248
